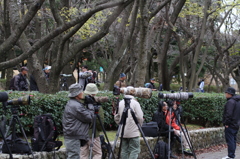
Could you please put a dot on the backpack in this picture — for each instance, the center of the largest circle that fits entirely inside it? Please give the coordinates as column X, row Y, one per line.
column 146, row 85
column 199, row 83
column 11, row 86
column 106, row 148
column 161, row 150
column 45, row 134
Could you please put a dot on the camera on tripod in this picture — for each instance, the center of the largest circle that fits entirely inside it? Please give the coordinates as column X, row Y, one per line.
column 137, row 92
column 96, row 101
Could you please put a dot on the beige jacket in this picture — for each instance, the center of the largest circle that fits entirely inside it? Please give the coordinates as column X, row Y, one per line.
column 131, row 129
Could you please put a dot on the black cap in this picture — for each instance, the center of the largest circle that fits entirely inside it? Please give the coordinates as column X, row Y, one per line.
column 231, row 91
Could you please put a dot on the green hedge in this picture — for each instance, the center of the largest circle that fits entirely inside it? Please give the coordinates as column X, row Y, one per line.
column 205, row 108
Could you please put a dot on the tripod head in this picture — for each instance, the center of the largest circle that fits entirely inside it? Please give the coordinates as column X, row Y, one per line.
column 127, row 102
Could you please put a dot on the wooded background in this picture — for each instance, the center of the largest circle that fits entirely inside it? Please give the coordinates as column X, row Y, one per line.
column 185, row 39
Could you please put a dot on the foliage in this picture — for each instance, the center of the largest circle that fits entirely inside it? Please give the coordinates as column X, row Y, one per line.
column 205, row 108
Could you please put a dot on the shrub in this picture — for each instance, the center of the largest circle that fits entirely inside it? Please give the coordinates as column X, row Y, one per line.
column 204, row 108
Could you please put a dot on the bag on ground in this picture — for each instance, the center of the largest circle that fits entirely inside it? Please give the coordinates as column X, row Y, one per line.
column 161, row 150
column 45, row 134
column 16, row 145
column 106, row 148
column 150, row 129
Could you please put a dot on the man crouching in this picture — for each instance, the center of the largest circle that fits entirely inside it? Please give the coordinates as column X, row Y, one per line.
column 76, row 121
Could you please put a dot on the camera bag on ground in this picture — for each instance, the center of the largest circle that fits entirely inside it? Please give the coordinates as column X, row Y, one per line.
column 150, row 129
column 161, row 150
column 45, row 134
column 106, row 148
column 16, row 145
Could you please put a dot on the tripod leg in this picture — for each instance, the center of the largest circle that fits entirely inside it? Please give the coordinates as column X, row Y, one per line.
column 20, row 125
column 115, row 141
column 140, row 129
column 124, row 117
column 93, row 135
column 120, row 127
column 4, row 141
column 103, row 129
column 7, row 131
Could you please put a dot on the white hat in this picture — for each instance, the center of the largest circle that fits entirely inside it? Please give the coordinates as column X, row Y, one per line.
column 47, row 68
column 91, row 88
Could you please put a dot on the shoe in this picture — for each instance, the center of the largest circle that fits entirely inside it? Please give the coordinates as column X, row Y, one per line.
column 188, row 152
column 227, row 157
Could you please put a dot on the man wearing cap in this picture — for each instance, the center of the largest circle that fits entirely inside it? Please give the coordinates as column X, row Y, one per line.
column 76, row 120
column 231, row 121
column 20, row 80
column 151, row 84
column 91, row 90
column 47, row 70
column 121, row 82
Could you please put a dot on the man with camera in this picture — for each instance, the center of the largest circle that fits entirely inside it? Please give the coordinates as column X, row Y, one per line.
column 83, row 76
column 90, row 91
column 163, row 117
column 160, row 117
column 130, row 139
column 76, row 120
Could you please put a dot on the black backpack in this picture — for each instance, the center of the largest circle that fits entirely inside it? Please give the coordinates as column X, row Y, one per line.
column 161, row 150
column 106, row 148
column 45, row 134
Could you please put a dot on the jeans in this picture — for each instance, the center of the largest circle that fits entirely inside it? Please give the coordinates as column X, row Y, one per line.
column 230, row 136
column 72, row 148
column 130, row 148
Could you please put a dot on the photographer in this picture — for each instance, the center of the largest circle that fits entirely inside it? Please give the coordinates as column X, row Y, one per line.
column 177, row 129
column 160, row 117
column 90, row 91
column 130, row 140
column 83, row 76
column 76, row 120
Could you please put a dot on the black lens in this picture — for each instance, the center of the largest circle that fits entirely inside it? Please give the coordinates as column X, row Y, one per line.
column 160, row 95
column 3, row 96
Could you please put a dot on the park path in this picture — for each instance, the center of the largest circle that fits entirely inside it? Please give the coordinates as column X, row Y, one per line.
column 216, row 154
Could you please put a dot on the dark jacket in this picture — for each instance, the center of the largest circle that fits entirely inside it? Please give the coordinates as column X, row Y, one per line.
column 20, row 83
column 33, row 84
column 151, row 86
column 160, row 118
column 76, row 120
column 231, row 114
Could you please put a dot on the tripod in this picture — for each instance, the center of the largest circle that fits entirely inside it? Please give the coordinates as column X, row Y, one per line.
column 1, row 131
column 96, row 116
column 15, row 119
column 122, row 125
column 184, row 133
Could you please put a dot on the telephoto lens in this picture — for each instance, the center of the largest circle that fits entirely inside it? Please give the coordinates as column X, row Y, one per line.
column 179, row 96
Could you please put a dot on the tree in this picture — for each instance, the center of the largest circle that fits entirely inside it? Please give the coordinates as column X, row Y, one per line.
column 57, row 38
